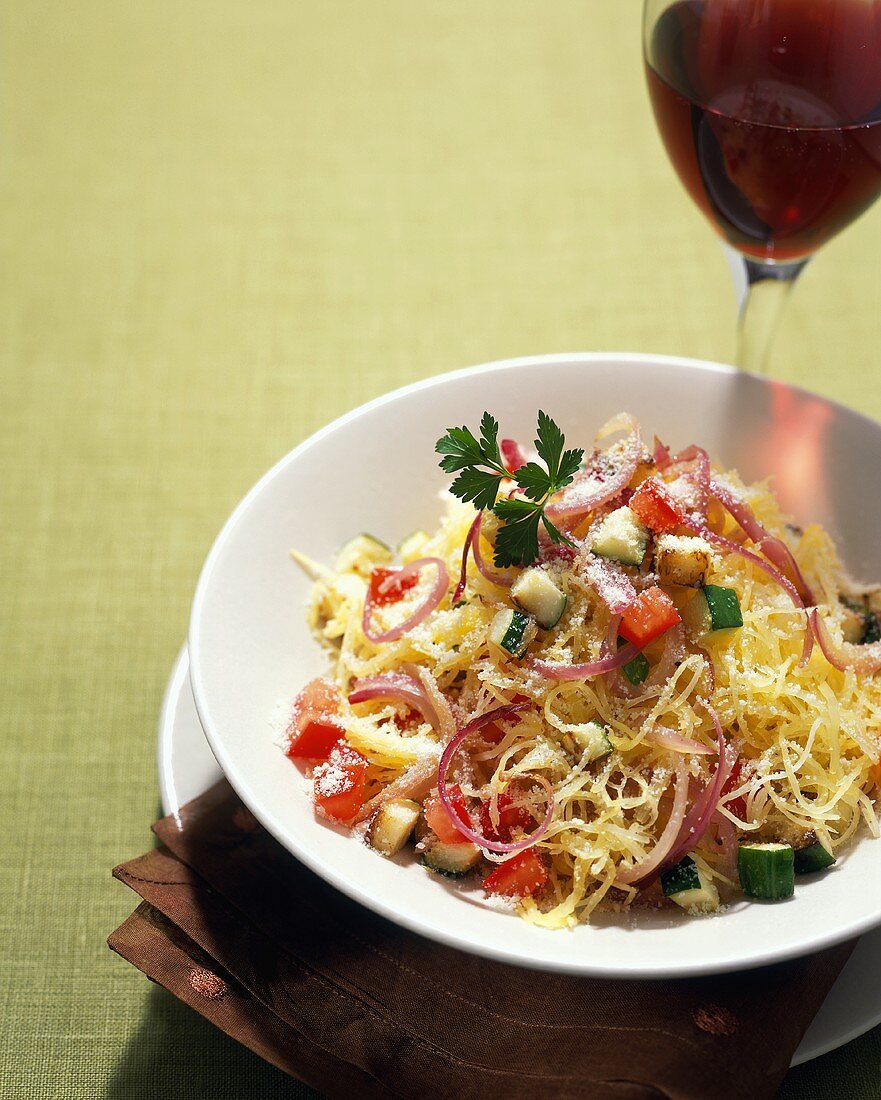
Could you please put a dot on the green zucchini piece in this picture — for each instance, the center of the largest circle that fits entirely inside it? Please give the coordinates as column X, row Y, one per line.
column 713, row 608
column 363, row 548
column 621, row 537
column 685, row 885
column 451, row 859
column 539, row 596
column 766, row 870
column 636, row 670
column 872, row 633
column 813, row 858
column 390, row 829
column 512, row 631
column 412, row 546
column 592, row 738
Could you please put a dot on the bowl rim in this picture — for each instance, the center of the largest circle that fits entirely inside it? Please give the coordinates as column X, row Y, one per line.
column 328, row 871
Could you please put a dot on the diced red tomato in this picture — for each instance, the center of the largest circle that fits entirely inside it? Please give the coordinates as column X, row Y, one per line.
column 382, row 594
column 655, row 507
column 736, row 806
column 512, row 456
column 440, row 822
column 522, row 874
column 510, row 817
column 648, row 617
column 493, row 732
column 338, row 784
column 315, row 725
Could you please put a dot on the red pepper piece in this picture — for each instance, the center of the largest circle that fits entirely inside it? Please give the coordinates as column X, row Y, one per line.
column 387, row 586
column 439, row 821
column 315, row 725
column 648, row 617
column 510, row 817
column 517, row 877
column 655, row 507
column 339, row 784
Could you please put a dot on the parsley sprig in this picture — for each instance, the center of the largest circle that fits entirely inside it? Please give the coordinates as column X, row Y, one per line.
column 480, row 470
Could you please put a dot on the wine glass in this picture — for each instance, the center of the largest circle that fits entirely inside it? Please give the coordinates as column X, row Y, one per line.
column 770, row 111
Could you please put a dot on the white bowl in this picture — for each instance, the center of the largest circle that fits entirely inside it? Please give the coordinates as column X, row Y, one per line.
column 375, row 469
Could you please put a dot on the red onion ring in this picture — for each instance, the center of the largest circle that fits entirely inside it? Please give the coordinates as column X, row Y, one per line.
column 698, row 818
column 784, row 582
column 594, row 488
column 636, row 875
column 588, row 668
column 668, row 739
column 472, row 543
column 774, row 549
column 466, row 546
column 398, row 687
column 415, row 782
column 863, row 659
column 450, row 751
column 431, row 601
column 513, row 455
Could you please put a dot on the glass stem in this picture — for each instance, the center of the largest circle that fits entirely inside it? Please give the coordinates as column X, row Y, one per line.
column 767, row 288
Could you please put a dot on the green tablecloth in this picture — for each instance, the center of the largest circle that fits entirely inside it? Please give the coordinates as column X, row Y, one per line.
column 222, row 224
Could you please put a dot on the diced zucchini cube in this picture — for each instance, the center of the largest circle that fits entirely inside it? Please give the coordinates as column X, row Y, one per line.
column 682, row 559
column 390, row 829
column 537, row 594
column 592, row 739
column 412, row 546
column 362, row 553
column 713, row 608
column 512, row 631
column 685, row 885
column 451, row 859
column 766, row 870
column 815, row 857
column 621, row 537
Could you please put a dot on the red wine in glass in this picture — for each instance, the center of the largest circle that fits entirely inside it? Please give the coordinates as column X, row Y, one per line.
column 771, row 114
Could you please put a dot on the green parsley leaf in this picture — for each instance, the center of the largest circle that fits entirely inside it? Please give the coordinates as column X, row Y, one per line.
column 480, row 470
column 534, row 481
column 477, row 485
column 489, row 439
column 517, row 541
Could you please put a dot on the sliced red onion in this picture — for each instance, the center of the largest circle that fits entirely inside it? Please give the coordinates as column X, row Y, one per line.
column 774, row 549
column 588, row 668
column 472, row 543
column 595, row 487
column 785, row 583
column 466, row 546
column 398, row 687
column 415, row 782
column 648, row 868
column 666, row 738
column 431, row 601
column 443, row 793
column 609, row 581
column 863, row 659
column 699, row 475
column 698, row 818
column 661, row 455
column 513, row 455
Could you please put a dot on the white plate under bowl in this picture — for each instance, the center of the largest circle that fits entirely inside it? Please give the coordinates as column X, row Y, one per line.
column 187, row 768
column 375, row 470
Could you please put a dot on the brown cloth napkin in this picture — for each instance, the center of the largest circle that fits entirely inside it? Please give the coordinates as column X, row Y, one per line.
column 331, row 993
